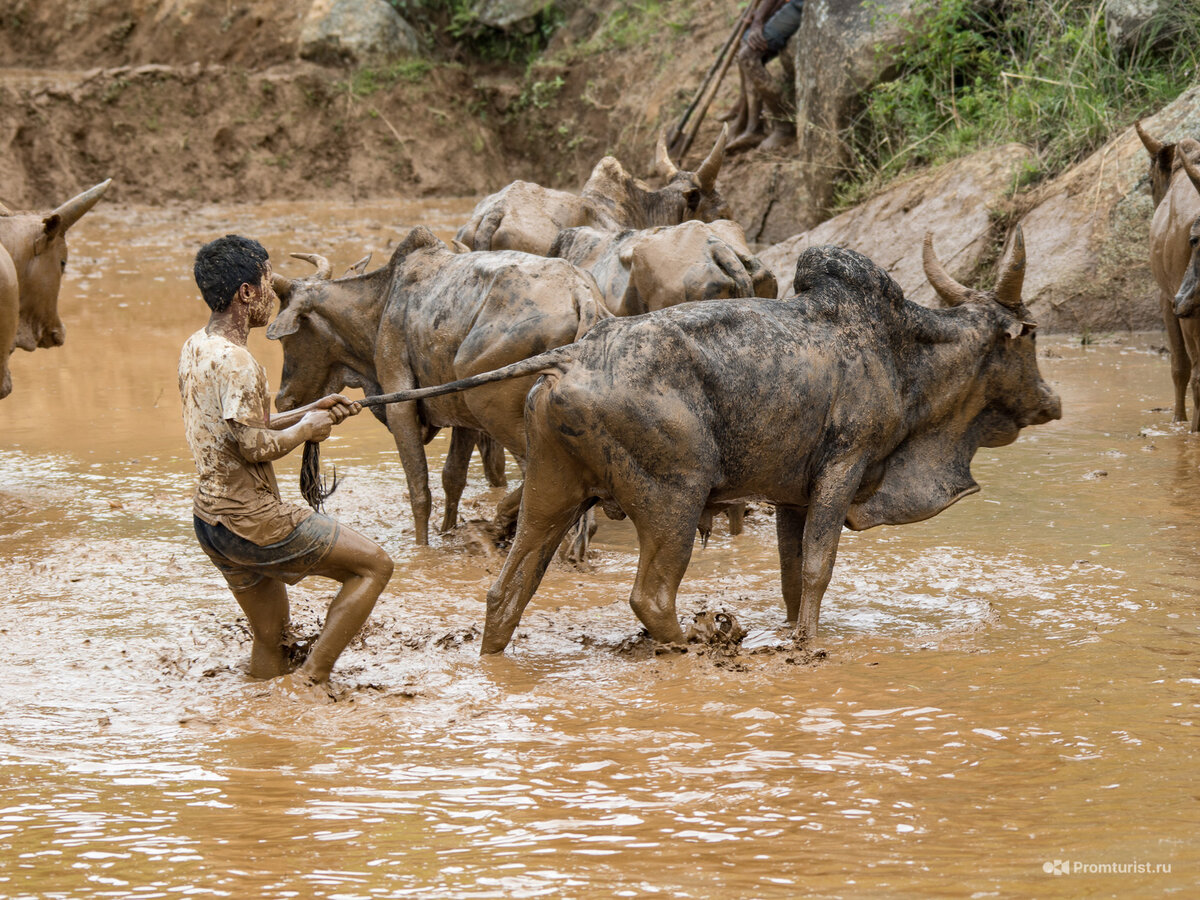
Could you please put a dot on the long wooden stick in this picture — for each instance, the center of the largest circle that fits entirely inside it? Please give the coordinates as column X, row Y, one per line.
column 677, row 129
column 737, row 36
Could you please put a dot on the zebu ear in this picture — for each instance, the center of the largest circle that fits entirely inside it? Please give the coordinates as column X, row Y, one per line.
column 359, row 267
column 459, row 247
column 287, row 322
column 51, row 228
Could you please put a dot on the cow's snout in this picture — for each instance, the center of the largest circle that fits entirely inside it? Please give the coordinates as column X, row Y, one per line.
column 284, row 401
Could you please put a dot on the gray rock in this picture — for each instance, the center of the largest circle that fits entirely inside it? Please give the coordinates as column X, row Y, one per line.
column 955, row 202
column 1132, row 23
column 509, row 15
column 355, row 31
column 841, row 50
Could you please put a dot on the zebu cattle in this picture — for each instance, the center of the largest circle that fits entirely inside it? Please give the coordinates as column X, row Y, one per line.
column 430, row 316
column 641, row 271
column 1169, row 256
column 1187, row 298
column 654, row 268
column 528, row 217
column 844, row 405
column 33, row 257
column 1162, row 165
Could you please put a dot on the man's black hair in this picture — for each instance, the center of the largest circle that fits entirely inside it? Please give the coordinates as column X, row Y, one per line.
column 224, row 265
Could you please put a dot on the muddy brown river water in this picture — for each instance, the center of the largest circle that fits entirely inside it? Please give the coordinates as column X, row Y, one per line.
column 1010, row 690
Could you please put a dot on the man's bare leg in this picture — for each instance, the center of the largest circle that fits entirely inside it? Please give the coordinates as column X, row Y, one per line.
column 364, row 569
column 266, row 606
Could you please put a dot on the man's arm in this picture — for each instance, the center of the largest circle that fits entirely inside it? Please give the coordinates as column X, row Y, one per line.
column 754, row 31
column 263, row 444
column 283, row 420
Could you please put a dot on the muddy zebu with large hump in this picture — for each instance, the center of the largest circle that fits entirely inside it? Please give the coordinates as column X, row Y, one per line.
column 528, row 217
column 1170, row 253
column 33, row 257
column 844, row 405
column 432, row 315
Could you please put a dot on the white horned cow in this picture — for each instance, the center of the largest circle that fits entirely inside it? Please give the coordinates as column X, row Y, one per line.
column 1170, row 253
column 845, row 404
column 33, row 257
column 428, row 316
column 528, row 217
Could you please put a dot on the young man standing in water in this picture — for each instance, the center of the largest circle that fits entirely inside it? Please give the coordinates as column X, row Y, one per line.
column 258, row 542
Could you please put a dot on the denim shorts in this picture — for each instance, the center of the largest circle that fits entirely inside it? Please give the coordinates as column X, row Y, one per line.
column 780, row 27
column 245, row 564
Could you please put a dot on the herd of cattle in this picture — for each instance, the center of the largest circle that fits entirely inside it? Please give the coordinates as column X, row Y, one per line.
column 627, row 348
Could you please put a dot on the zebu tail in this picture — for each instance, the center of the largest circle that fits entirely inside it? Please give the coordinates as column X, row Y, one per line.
column 543, row 362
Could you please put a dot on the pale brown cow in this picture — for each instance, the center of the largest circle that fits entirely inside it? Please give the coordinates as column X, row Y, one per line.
column 33, row 257
column 1169, row 256
column 528, row 217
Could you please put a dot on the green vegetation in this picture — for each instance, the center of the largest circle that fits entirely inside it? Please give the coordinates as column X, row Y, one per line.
column 632, row 22
column 1040, row 72
column 365, row 82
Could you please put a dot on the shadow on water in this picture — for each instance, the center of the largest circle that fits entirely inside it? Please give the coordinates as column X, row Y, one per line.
column 1011, row 683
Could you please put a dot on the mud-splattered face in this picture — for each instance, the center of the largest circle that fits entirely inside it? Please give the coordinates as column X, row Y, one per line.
column 261, row 299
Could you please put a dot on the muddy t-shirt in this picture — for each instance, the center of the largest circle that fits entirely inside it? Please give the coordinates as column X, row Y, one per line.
column 220, row 383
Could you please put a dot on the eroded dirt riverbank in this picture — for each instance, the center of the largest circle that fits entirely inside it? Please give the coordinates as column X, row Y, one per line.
column 1010, row 683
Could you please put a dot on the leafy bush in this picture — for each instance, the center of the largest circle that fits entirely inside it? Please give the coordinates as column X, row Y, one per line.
column 973, row 73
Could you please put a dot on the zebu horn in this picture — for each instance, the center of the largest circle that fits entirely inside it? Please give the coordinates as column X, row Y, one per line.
column 662, row 159
column 707, row 173
column 951, row 292
column 324, row 269
column 72, row 211
column 1012, row 273
column 1192, row 171
column 1148, row 142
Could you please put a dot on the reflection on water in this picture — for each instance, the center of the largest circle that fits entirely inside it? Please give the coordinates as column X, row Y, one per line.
column 1011, row 683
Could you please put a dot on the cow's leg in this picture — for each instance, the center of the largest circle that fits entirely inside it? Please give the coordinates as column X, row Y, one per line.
column 665, row 548
column 547, row 511
column 789, row 532
column 1181, row 364
column 403, row 423
column 1190, row 331
column 454, row 472
column 827, row 508
column 491, row 452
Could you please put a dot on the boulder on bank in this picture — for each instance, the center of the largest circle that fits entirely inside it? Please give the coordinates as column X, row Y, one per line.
column 357, row 31
column 957, row 202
